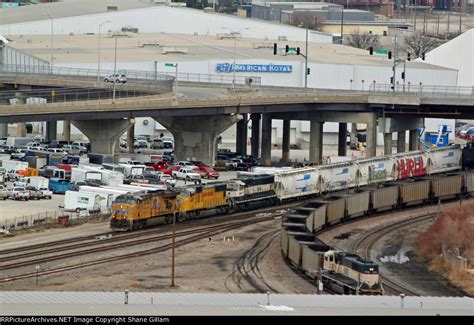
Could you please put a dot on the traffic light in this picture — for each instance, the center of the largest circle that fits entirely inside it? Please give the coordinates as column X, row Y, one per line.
column 371, row 50
column 408, row 56
column 298, row 51
column 389, row 55
column 403, row 75
column 275, row 48
column 423, row 56
column 287, row 48
column 391, row 80
column 308, row 71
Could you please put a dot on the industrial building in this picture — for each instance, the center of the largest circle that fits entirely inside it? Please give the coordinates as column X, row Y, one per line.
column 204, row 45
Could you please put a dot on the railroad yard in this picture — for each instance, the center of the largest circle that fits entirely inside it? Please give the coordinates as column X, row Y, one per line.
column 245, row 259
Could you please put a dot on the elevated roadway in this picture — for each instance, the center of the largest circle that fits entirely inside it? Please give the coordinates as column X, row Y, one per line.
column 197, row 112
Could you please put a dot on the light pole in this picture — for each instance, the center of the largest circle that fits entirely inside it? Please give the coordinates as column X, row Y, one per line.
column 233, row 66
column 98, row 58
column 115, row 66
column 51, row 49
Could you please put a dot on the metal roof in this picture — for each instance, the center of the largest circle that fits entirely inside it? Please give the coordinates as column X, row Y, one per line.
column 83, row 49
column 68, row 8
column 145, row 303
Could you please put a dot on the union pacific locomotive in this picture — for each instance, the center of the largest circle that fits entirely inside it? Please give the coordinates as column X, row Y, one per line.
column 132, row 211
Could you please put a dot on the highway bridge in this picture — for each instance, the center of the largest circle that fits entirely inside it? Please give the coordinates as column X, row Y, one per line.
column 197, row 112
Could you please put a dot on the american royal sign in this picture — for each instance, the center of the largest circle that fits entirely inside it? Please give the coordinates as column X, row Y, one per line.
column 228, row 67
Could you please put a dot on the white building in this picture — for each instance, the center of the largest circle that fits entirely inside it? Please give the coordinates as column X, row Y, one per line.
column 203, row 43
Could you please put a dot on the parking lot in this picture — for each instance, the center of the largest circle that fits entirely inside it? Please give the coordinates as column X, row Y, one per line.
column 11, row 209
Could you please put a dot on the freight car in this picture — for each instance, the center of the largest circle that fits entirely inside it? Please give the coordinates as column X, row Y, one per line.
column 346, row 273
column 252, row 191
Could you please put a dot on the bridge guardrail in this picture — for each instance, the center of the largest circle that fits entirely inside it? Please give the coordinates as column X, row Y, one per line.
column 135, row 75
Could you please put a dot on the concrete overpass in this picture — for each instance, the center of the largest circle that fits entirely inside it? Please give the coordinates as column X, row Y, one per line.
column 201, row 111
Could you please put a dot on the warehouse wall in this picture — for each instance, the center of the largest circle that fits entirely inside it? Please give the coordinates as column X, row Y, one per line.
column 165, row 20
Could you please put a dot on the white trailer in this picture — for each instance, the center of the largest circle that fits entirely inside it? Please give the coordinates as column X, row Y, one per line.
column 84, row 175
column 108, row 177
column 105, row 199
column 37, row 181
column 18, row 141
column 14, row 165
column 104, row 189
column 133, row 170
column 77, row 201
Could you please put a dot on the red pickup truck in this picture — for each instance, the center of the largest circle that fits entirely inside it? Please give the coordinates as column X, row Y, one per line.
column 157, row 165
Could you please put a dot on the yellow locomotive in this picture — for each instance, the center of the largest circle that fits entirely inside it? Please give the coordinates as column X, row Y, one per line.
column 137, row 210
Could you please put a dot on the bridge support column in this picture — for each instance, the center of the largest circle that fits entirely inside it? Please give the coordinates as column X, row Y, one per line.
column 3, row 130
column 103, row 134
column 285, row 146
column 342, row 140
column 387, row 141
column 67, row 130
column 266, row 140
column 195, row 137
column 21, row 129
column 371, row 140
column 241, row 143
column 131, row 136
column 401, row 139
column 316, row 142
column 51, row 130
column 413, row 141
column 255, row 144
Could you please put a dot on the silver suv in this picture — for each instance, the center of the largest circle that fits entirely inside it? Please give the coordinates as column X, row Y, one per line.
column 119, row 78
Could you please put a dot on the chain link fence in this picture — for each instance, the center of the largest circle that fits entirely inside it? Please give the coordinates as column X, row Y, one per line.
column 49, row 219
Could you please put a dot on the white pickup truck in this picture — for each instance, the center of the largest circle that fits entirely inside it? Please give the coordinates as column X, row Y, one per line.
column 46, row 193
column 187, row 174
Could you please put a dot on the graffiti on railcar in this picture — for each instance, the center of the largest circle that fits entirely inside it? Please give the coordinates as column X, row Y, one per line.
column 411, row 167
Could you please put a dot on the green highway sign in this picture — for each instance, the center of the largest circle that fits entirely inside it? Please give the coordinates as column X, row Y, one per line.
column 381, row 51
column 171, row 65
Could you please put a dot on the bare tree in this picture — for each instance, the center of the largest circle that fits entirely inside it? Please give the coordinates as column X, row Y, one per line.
column 363, row 41
column 419, row 44
column 306, row 19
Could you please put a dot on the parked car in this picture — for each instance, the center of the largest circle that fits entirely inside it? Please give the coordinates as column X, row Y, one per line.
column 138, row 144
column 46, row 193
column 208, row 172
column 3, row 192
column 171, row 169
column 167, row 180
column 157, row 165
column 74, row 149
column 34, row 192
column 187, row 164
column 168, row 144
column 19, row 193
column 187, row 174
column 233, row 163
column 117, row 78
column 157, row 144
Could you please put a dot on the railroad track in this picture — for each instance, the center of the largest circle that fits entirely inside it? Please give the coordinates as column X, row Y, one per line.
column 191, row 236
column 91, row 240
column 363, row 247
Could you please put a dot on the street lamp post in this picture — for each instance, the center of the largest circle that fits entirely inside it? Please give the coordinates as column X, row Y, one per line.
column 98, row 58
column 115, row 66
column 233, row 66
column 51, row 49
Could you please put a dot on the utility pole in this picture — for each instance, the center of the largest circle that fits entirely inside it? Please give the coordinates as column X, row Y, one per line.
column 306, row 61
column 234, row 33
column 98, row 58
column 115, row 66
column 342, row 26
column 173, row 248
